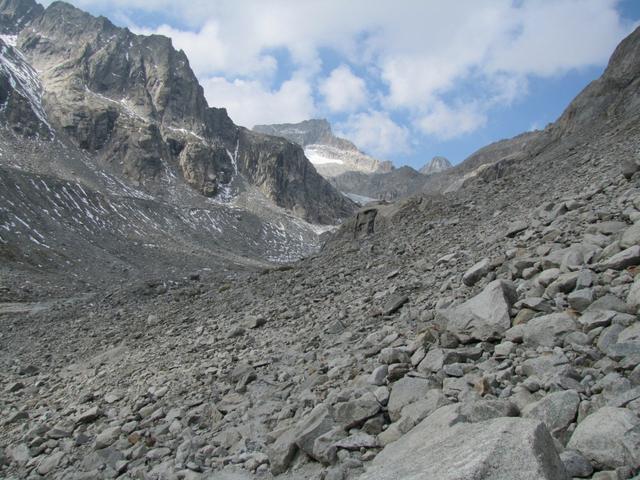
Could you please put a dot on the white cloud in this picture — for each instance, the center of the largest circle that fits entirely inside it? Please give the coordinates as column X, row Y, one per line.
column 343, row 91
column 415, row 55
column 445, row 122
column 551, row 37
column 249, row 103
column 376, row 133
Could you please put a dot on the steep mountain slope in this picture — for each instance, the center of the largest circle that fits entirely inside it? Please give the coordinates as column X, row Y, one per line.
column 330, row 155
column 489, row 333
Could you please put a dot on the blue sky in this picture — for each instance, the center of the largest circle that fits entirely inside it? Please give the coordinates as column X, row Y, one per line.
column 406, row 80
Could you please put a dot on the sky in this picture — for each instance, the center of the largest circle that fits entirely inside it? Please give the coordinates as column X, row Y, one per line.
column 405, row 80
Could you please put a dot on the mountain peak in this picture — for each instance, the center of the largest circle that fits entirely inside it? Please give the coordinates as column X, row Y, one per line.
column 437, row 164
column 331, row 155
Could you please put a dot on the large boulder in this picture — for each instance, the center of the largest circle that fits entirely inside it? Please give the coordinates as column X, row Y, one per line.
column 443, row 447
column 405, row 392
column 549, row 330
column 610, row 438
column 483, row 317
column 557, row 410
column 622, row 260
column 315, row 424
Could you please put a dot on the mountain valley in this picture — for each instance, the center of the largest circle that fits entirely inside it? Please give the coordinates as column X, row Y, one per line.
column 182, row 298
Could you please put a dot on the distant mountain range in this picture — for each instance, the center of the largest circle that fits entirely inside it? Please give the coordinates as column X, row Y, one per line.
column 359, row 176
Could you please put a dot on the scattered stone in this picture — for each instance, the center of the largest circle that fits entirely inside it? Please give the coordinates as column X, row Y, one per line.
column 477, row 272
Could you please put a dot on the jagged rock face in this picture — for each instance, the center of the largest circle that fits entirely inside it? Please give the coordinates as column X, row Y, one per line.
column 284, row 174
column 330, row 155
column 134, row 102
column 20, row 106
column 437, row 164
column 17, row 14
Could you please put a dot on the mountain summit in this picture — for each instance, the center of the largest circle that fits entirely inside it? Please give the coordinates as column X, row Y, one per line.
column 331, row 155
column 437, row 164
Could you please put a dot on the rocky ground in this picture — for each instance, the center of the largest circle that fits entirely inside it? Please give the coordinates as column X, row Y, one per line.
column 492, row 335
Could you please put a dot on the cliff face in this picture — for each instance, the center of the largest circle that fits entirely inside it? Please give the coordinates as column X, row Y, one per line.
column 134, row 102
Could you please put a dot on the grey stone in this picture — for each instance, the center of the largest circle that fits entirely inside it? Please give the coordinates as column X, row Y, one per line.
column 576, row 464
column 394, row 304
column 355, row 412
column 515, row 228
column 325, row 449
column 446, row 449
column 89, row 416
column 596, row 318
column 49, row 463
column 609, row 302
column 609, row 437
column 485, row 316
column 548, row 330
column 630, row 237
column 633, row 297
column 379, row 375
column 556, row 410
column 394, row 355
column 626, row 258
column 476, row 272
column 316, row 423
column 404, row 392
column 282, row 452
column 579, row 300
column 107, row 437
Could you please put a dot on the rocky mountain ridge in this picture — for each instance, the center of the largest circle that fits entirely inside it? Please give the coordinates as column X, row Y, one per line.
column 134, row 103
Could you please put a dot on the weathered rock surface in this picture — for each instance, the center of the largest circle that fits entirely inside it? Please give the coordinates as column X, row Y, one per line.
column 486, row 316
column 503, row 448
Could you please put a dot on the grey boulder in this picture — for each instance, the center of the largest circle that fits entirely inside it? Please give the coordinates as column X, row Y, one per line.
column 447, row 449
column 476, row 273
column 610, row 438
column 548, row 330
column 483, row 317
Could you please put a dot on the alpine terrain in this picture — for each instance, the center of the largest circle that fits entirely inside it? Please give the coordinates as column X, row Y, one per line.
column 112, row 161
column 483, row 327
